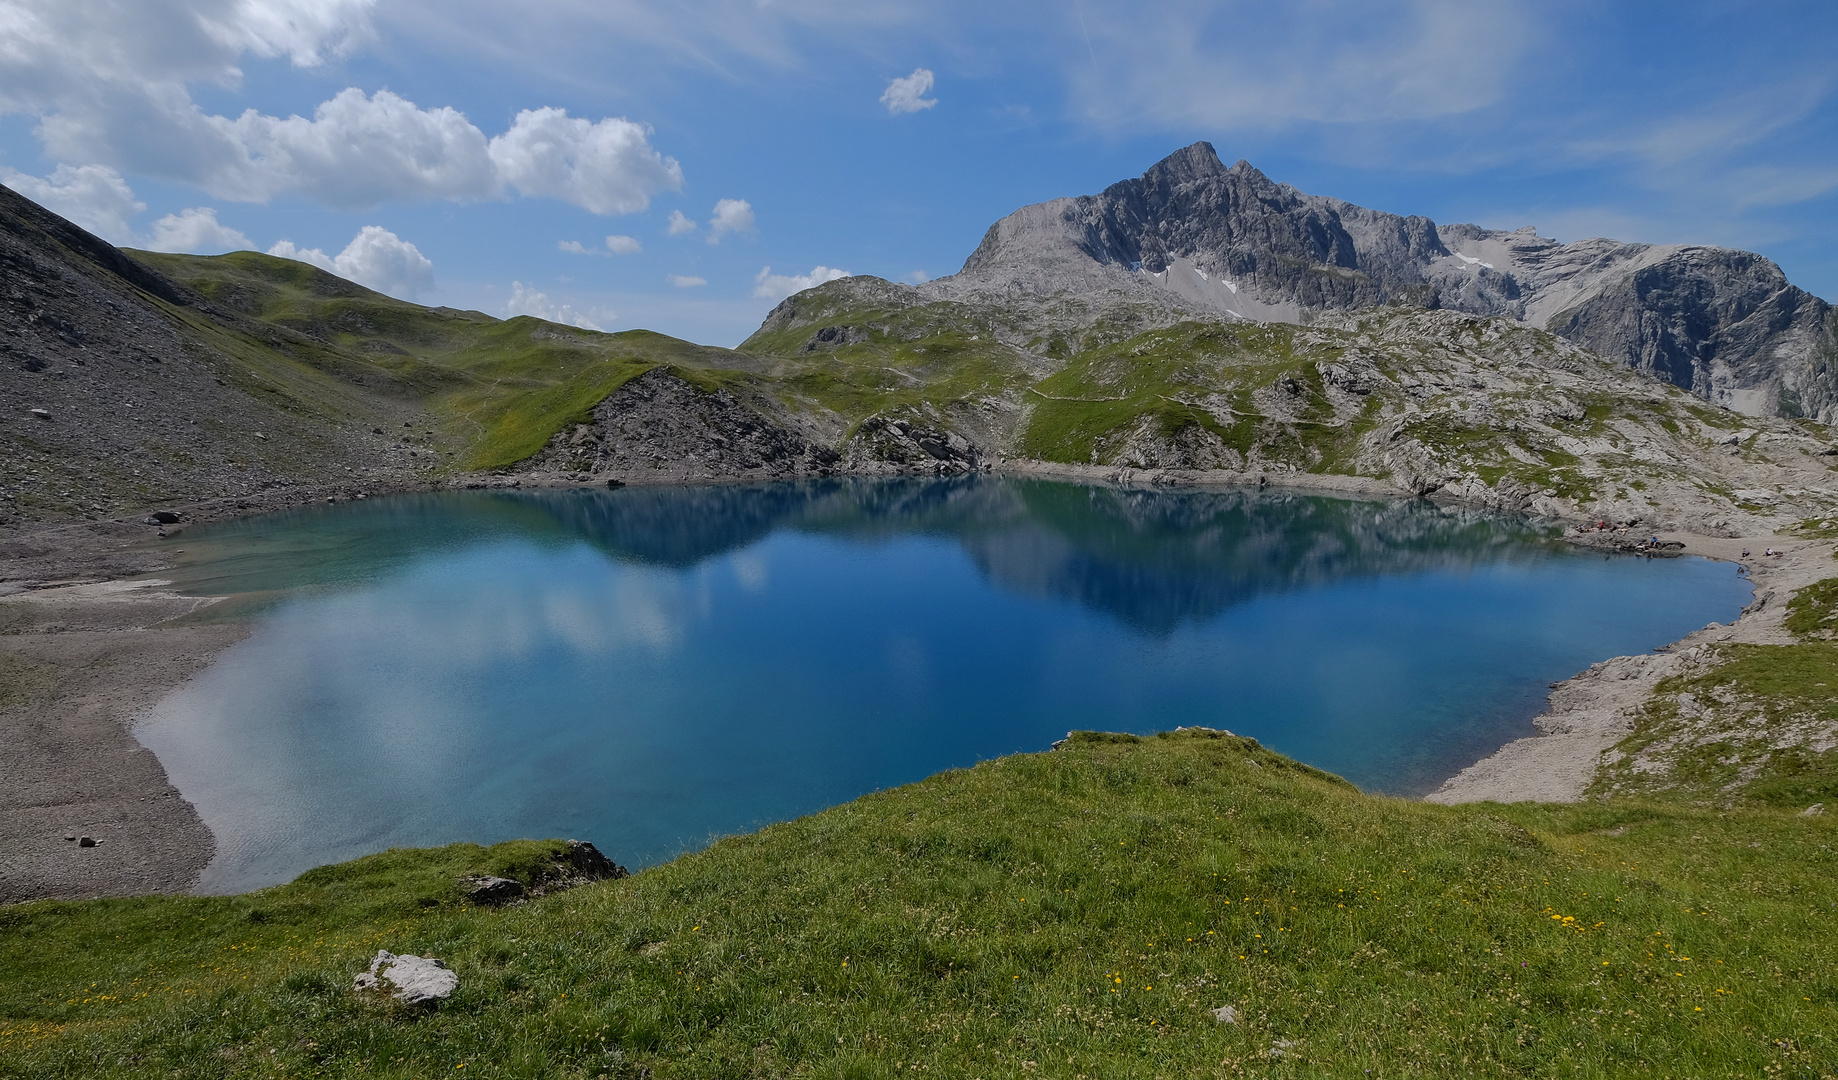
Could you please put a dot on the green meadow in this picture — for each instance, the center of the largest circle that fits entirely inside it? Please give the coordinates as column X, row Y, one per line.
column 1075, row 913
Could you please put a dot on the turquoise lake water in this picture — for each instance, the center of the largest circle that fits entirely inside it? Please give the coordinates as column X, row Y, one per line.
column 650, row 668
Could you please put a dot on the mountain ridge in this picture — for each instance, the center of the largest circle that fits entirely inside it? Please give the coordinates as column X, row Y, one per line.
column 1218, row 240
column 137, row 379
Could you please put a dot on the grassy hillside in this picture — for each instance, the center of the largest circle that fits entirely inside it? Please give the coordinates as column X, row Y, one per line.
column 493, row 390
column 1069, row 914
column 1430, row 401
column 1746, row 724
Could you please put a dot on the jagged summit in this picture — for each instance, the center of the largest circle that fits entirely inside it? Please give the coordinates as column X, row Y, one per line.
column 1196, row 236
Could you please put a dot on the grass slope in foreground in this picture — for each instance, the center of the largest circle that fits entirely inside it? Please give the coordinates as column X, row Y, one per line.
column 1065, row 914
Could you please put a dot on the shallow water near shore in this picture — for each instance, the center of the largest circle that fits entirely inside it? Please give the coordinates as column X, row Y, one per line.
column 648, row 668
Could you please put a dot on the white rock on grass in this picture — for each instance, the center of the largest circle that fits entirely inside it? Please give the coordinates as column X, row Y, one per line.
column 412, row 980
column 1225, row 1014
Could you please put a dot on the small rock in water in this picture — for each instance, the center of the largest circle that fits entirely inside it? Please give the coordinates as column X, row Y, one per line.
column 412, row 980
column 1225, row 1014
column 493, row 890
column 86, row 841
column 1814, row 810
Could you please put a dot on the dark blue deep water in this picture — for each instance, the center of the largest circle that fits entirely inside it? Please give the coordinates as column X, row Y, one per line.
column 651, row 667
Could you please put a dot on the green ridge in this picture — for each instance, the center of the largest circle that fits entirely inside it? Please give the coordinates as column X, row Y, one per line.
column 495, row 390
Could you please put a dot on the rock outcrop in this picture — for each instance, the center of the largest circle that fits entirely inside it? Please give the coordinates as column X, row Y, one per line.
column 661, row 425
column 901, row 444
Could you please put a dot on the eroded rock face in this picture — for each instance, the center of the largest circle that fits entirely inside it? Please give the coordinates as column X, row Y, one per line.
column 411, row 980
column 898, row 444
column 661, row 424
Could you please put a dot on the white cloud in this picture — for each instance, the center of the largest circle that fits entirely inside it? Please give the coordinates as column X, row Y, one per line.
column 615, row 245
column 196, row 232
column 94, row 197
column 731, row 215
column 918, row 277
column 907, row 94
column 680, row 224
column 528, row 301
column 110, row 85
column 305, row 31
column 771, row 286
column 375, row 258
column 607, row 167
column 686, row 281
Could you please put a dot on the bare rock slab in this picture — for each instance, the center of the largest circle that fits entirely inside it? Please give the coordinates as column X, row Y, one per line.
column 412, row 980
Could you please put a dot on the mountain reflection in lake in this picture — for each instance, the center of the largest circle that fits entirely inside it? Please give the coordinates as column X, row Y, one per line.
column 648, row 667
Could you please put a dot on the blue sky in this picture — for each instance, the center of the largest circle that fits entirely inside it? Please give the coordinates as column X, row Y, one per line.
column 446, row 151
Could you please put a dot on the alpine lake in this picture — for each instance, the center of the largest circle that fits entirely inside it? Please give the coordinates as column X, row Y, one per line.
column 650, row 668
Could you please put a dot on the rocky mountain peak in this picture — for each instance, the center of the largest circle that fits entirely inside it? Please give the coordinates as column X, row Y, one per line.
column 1194, row 235
column 1188, row 164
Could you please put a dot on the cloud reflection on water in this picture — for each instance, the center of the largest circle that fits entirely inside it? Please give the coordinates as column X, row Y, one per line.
column 646, row 667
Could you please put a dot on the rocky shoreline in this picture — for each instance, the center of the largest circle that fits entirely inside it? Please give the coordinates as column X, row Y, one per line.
column 89, row 652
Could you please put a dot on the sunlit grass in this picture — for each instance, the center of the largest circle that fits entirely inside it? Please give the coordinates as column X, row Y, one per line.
column 1063, row 914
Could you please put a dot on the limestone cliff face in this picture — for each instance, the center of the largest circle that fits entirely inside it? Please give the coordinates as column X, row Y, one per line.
column 1195, row 235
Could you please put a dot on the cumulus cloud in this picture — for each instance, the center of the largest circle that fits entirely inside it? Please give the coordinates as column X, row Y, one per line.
column 607, row 167
column 196, row 232
column 680, row 224
column 771, row 286
column 686, row 281
column 375, row 258
column 574, row 247
column 528, row 301
column 623, row 245
column 94, row 197
column 359, row 150
column 731, row 216
column 907, row 94
column 113, row 88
